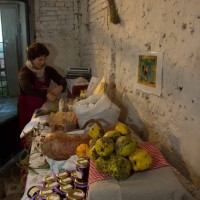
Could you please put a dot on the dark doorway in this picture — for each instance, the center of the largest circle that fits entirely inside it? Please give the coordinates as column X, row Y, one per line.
column 13, row 43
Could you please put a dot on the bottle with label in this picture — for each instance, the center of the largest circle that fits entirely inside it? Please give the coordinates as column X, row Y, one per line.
column 61, row 105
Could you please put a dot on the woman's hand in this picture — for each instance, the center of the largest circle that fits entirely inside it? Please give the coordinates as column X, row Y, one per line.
column 57, row 90
column 51, row 97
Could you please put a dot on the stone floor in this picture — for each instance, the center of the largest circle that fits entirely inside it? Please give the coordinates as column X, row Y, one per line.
column 10, row 185
column 9, row 171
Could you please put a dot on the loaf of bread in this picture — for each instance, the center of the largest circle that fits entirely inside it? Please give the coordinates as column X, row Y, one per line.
column 61, row 146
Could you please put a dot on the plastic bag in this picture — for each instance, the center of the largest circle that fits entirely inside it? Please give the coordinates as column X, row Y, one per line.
column 98, row 107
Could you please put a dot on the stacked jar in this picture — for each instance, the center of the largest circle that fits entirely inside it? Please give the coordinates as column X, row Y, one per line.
column 82, row 173
column 65, row 182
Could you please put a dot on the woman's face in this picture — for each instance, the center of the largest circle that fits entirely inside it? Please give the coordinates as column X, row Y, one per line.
column 39, row 62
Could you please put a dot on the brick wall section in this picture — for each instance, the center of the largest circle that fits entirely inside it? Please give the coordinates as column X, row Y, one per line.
column 54, row 15
column 55, row 25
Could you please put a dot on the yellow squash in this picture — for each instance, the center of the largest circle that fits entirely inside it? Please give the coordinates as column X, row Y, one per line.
column 82, row 151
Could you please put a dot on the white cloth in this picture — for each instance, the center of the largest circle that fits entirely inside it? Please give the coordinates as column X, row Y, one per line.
column 33, row 123
column 59, row 165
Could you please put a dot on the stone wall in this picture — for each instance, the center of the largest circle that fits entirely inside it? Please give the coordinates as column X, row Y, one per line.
column 79, row 33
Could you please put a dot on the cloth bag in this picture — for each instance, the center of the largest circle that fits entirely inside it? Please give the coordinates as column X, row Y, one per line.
column 98, row 107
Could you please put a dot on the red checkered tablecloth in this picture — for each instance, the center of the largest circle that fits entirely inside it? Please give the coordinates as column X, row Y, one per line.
column 158, row 162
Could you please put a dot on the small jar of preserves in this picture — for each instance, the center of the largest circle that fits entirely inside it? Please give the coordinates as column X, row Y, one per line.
column 82, row 167
column 75, row 194
column 33, row 191
column 65, row 188
column 65, row 181
column 52, row 185
column 62, row 175
column 80, row 185
column 54, row 197
column 44, row 193
column 49, row 179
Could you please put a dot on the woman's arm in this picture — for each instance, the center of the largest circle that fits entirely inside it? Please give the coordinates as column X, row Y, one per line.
column 56, row 77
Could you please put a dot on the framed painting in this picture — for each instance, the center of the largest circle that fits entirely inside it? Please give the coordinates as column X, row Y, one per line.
column 149, row 72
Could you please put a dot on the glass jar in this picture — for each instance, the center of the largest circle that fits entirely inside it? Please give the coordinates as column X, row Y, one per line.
column 54, row 197
column 33, row 191
column 65, row 181
column 62, row 175
column 52, row 185
column 75, row 194
column 82, row 167
column 49, row 179
column 80, row 185
column 65, row 188
column 44, row 193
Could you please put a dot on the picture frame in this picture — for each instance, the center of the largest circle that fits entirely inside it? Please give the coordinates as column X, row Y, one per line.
column 149, row 72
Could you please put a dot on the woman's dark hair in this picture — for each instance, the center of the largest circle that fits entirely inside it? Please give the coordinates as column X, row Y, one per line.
column 36, row 50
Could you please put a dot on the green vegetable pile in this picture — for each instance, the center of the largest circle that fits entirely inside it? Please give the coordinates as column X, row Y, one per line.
column 117, row 152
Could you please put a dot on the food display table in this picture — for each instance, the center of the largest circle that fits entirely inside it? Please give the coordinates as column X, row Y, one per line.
column 158, row 183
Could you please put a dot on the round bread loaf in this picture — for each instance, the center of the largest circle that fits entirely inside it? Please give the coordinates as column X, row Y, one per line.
column 61, row 146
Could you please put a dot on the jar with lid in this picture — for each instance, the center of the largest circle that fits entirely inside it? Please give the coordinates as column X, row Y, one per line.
column 34, row 190
column 54, row 197
column 75, row 194
column 62, row 175
column 49, row 179
column 65, row 188
column 44, row 193
column 65, row 181
column 82, row 167
column 81, row 185
column 52, row 185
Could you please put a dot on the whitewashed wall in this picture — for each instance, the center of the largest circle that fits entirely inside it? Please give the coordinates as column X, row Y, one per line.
column 172, row 121
column 79, row 33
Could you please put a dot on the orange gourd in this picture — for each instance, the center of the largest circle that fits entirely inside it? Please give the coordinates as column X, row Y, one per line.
column 82, row 150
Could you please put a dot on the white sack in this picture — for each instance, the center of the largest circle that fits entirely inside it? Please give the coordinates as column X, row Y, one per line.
column 97, row 107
